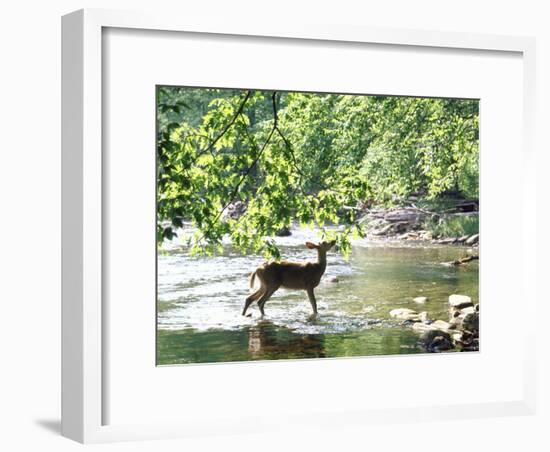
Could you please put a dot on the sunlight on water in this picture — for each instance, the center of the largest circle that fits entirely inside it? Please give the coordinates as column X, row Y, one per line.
column 200, row 300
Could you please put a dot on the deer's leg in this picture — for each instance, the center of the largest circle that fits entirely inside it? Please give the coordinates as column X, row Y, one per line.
column 251, row 299
column 267, row 294
column 312, row 300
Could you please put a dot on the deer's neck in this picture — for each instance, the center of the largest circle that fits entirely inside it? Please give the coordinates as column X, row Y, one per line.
column 322, row 260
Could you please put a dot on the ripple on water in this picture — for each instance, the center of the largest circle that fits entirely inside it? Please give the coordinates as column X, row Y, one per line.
column 207, row 293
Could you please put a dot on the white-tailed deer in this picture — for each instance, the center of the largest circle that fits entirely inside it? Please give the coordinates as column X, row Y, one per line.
column 291, row 275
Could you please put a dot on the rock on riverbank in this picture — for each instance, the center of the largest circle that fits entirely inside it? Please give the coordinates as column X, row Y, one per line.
column 460, row 333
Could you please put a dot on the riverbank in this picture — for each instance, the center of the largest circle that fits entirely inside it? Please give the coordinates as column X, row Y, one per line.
column 445, row 222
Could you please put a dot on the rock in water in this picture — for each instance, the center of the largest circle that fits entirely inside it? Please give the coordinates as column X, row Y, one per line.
column 456, row 322
column 440, row 344
column 405, row 314
column 283, row 232
column 437, row 325
column 468, row 310
column 421, row 327
column 471, row 322
column 460, row 301
column 468, row 341
column 436, row 341
column 420, row 300
column 441, row 325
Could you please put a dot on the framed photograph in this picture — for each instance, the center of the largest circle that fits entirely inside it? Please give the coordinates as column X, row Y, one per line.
column 381, row 191
column 310, row 216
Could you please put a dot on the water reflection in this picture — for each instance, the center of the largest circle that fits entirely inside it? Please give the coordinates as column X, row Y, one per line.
column 268, row 341
column 265, row 340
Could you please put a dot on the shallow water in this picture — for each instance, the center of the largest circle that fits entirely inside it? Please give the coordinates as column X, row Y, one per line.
column 200, row 300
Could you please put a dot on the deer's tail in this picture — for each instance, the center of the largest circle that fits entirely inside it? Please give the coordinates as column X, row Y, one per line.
column 252, row 278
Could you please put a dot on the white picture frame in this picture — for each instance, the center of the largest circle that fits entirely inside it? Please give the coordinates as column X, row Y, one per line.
column 84, row 348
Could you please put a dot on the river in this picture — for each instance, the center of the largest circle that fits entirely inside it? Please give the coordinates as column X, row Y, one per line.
column 200, row 299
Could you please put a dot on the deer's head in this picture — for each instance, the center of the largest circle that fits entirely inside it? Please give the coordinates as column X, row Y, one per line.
column 323, row 246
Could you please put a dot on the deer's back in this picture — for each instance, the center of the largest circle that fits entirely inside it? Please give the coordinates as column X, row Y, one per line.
column 292, row 275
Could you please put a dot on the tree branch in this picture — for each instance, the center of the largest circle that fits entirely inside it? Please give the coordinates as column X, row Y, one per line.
column 228, row 125
column 248, row 170
column 284, row 138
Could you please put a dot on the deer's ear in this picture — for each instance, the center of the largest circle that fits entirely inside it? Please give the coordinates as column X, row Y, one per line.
column 311, row 246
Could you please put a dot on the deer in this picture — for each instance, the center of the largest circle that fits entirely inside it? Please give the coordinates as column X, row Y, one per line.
column 290, row 275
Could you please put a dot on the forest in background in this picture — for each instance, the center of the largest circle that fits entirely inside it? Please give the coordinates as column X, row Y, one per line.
column 307, row 158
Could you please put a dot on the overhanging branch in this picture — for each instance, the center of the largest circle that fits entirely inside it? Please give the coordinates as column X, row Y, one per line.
column 227, row 126
column 248, row 170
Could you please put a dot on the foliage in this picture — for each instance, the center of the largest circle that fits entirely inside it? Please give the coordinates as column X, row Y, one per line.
column 454, row 226
column 401, row 145
column 316, row 159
